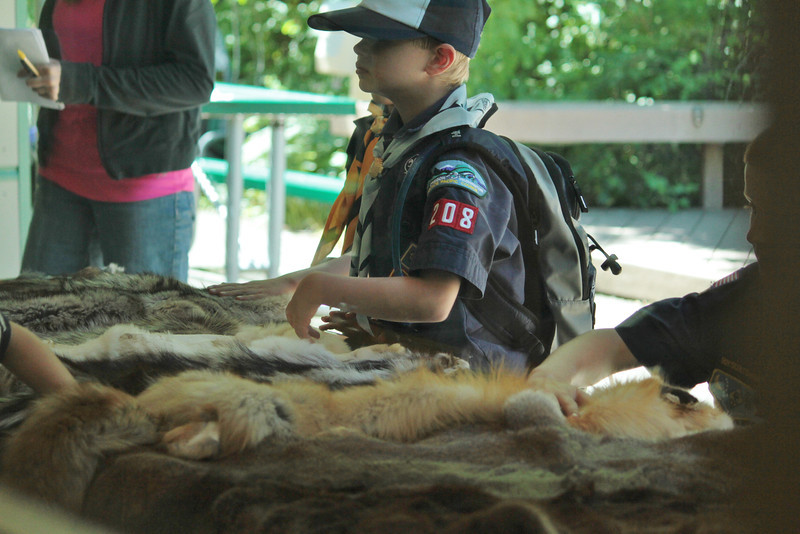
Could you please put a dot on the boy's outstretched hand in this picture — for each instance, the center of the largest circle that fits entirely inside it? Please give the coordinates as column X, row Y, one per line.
column 286, row 283
column 257, row 289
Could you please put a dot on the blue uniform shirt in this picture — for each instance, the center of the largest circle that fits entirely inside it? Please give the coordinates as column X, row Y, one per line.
column 703, row 337
column 459, row 218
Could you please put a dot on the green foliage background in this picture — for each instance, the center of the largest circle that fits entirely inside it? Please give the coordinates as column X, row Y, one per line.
column 638, row 51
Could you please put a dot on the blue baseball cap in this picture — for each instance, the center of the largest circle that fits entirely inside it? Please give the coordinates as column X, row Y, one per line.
column 456, row 22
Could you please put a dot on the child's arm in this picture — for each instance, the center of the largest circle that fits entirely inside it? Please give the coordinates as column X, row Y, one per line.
column 582, row 361
column 282, row 284
column 427, row 298
column 33, row 362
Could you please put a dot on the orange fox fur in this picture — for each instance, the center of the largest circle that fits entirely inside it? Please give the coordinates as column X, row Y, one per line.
column 56, row 451
column 204, row 414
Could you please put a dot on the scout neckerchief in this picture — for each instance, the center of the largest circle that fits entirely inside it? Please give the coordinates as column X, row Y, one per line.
column 360, row 251
column 360, row 255
column 453, row 110
column 339, row 219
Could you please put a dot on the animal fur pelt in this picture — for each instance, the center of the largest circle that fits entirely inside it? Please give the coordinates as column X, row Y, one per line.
column 204, row 414
column 512, row 464
column 130, row 359
column 128, row 330
column 71, row 309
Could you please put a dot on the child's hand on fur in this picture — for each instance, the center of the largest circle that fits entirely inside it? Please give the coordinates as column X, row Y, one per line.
column 343, row 322
column 570, row 398
column 256, row 289
column 346, row 323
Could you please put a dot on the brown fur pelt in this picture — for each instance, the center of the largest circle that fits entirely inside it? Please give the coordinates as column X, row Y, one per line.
column 203, row 414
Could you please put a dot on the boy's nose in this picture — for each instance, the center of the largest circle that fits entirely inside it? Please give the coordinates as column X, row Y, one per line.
column 359, row 47
column 364, row 46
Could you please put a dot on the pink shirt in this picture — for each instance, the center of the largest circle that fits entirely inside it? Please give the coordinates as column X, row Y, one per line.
column 74, row 160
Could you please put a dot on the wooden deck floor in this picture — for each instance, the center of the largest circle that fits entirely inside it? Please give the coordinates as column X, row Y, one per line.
column 666, row 253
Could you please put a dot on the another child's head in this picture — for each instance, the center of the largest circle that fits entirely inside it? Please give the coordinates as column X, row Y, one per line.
column 771, row 184
column 429, row 23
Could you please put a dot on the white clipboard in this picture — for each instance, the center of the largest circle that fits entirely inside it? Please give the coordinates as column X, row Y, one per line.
column 31, row 42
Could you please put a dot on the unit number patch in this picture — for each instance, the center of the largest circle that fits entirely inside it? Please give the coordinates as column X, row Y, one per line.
column 453, row 214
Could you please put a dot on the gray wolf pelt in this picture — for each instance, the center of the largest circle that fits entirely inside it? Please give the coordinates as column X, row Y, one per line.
column 73, row 308
column 205, row 414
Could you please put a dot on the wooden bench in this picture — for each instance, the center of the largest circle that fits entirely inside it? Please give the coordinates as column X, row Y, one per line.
column 711, row 124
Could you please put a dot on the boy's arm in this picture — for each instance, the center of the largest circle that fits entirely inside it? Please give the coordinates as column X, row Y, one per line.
column 282, row 284
column 582, row 361
column 33, row 362
column 427, row 298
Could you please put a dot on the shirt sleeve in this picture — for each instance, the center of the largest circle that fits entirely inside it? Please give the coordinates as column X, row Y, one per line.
column 687, row 337
column 181, row 78
column 666, row 334
column 5, row 335
column 465, row 229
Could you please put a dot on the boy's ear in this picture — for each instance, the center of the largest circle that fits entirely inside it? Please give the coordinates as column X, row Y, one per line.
column 443, row 57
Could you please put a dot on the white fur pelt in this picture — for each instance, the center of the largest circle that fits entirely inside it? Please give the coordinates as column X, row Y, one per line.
column 127, row 357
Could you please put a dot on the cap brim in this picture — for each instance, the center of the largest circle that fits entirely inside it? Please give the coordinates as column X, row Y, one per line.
column 363, row 22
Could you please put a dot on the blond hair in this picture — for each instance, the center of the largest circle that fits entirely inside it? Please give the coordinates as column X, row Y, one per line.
column 458, row 73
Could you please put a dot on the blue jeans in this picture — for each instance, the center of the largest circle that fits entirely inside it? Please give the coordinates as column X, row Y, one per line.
column 69, row 232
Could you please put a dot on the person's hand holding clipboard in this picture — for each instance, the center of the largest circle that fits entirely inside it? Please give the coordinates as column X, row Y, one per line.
column 27, row 74
column 45, row 80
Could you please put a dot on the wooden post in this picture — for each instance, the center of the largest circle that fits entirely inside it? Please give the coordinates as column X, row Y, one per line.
column 712, row 176
column 235, row 182
column 277, row 196
column 15, row 175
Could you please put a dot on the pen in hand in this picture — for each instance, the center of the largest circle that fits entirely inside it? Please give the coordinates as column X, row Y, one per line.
column 27, row 65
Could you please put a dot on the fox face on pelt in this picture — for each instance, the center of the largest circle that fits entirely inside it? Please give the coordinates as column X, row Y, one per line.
column 205, row 414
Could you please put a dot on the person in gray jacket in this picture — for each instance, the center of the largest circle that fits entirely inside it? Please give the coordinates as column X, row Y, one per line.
column 115, row 184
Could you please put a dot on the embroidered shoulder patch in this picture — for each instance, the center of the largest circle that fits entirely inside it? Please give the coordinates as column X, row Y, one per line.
column 455, row 173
